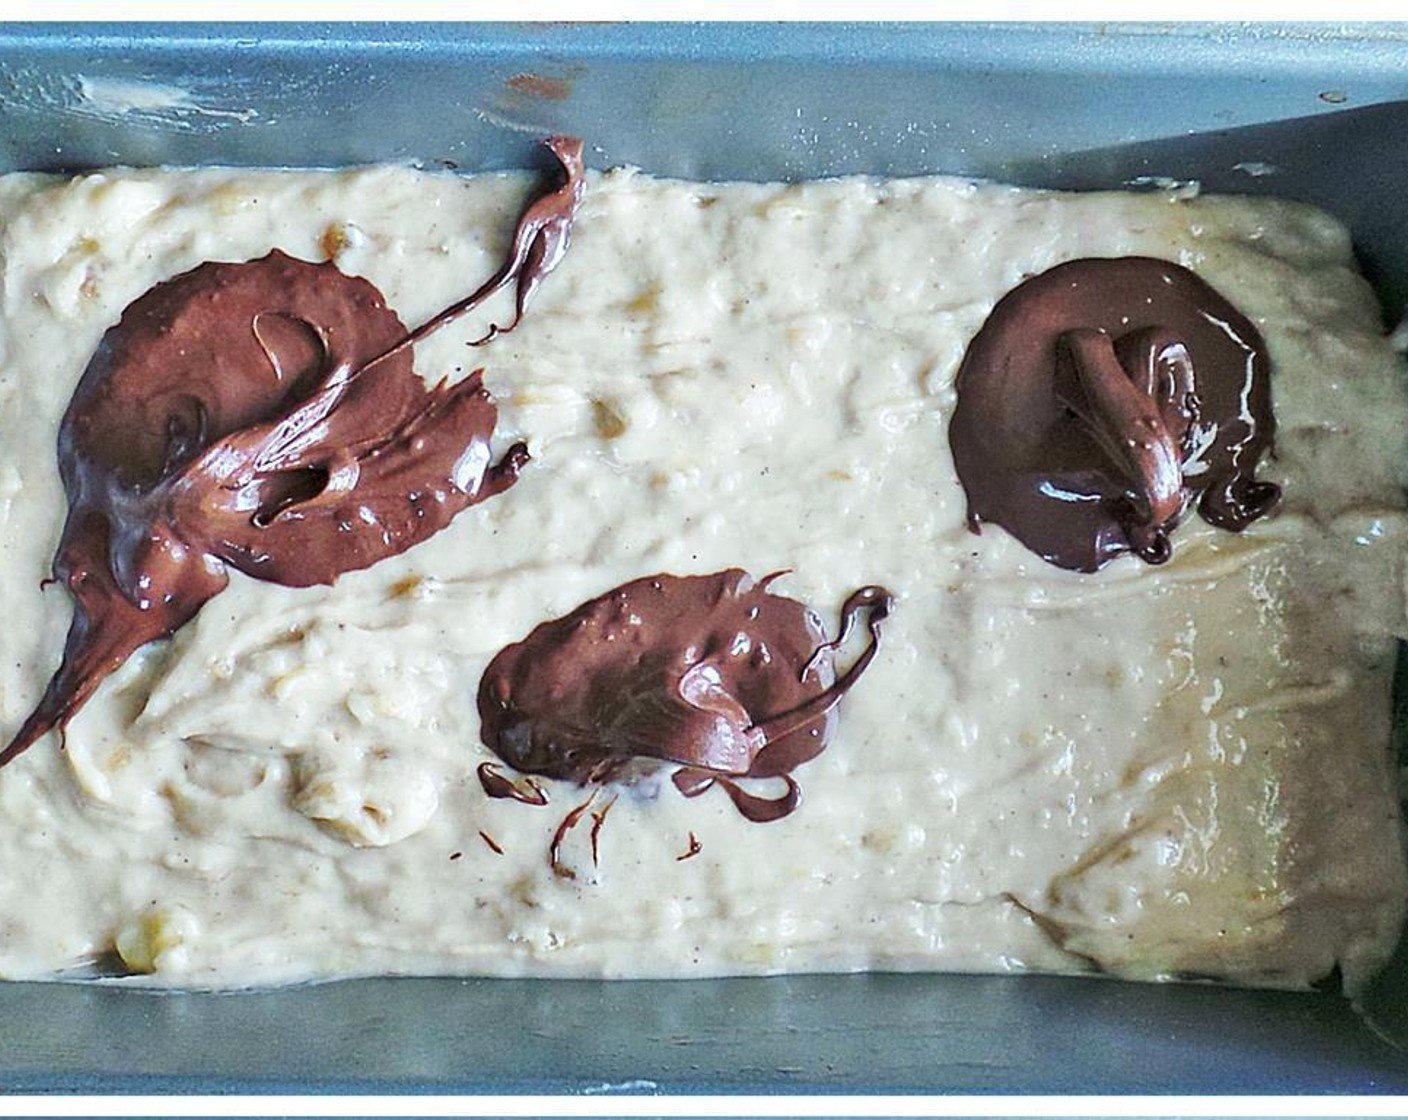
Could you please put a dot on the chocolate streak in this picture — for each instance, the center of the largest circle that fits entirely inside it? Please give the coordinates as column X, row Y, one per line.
column 711, row 674
column 265, row 416
column 1100, row 400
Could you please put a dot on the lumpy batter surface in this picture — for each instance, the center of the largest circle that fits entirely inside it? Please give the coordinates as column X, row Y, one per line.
column 1166, row 771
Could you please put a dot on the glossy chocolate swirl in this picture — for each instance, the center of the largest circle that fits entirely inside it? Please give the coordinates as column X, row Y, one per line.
column 1101, row 400
column 265, row 416
column 712, row 675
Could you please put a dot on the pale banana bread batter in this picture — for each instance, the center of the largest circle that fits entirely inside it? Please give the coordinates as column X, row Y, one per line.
column 1155, row 772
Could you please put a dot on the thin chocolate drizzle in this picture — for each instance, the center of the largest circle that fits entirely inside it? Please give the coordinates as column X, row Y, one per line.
column 598, row 820
column 714, row 675
column 1104, row 397
column 693, row 849
column 265, row 416
column 559, row 837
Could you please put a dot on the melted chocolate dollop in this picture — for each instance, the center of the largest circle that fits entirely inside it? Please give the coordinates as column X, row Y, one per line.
column 1100, row 400
column 265, row 416
column 713, row 674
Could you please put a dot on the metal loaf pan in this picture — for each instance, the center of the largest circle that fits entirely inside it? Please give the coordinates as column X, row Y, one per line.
column 1309, row 112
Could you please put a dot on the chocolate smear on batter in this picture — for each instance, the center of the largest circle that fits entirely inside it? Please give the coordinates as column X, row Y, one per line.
column 714, row 676
column 495, row 784
column 265, row 416
column 1103, row 398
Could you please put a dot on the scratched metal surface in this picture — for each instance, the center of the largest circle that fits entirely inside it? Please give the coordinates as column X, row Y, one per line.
column 1305, row 111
